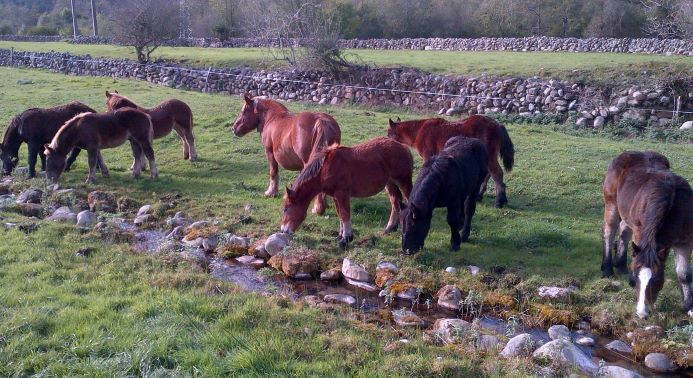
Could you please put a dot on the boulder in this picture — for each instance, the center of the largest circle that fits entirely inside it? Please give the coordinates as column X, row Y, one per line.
column 554, row 292
column 488, row 342
column 31, row 210
column 178, row 220
column 86, row 219
column 63, row 197
column 659, row 363
column 474, row 270
column 102, row 201
column 384, row 273
column 451, row 331
column 520, row 345
column 253, row 261
column 406, row 318
column 304, row 262
column 599, row 122
column 619, row 346
column 143, row 220
column 146, row 209
column 616, row 372
column 585, row 341
column 275, row 243
column 334, row 274
column 449, row 297
column 563, row 351
column 559, row 332
column 63, row 214
column 451, row 269
column 686, row 125
column 30, row 195
column 361, row 285
column 177, row 233
column 354, row 271
column 340, row 298
column 209, row 243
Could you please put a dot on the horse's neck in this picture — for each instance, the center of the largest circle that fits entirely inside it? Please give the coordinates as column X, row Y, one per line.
column 308, row 189
column 427, row 195
column 273, row 113
column 410, row 130
column 66, row 138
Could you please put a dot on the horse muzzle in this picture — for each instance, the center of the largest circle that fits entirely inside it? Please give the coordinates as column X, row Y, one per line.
column 287, row 230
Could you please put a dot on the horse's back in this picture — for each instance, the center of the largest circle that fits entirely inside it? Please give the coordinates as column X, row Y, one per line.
column 471, row 155
column 625, row 164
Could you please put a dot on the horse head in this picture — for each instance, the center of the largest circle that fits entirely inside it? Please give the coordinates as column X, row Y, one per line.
column 647, row 276
column 115, row 100
column 294, row 212
column 8, row 161
column 392, row 129
column 55, row 163
column 249, row 118
column 415, row 226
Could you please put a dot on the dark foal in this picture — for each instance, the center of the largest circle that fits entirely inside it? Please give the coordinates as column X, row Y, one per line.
column 450, row 179
column 36, row 127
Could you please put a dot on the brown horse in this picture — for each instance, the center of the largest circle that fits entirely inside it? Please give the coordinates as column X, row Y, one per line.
column 655, row 207
column 36, row 127
column 96, row 131
column 169, row 115
column 290, row 140
column 344, row 172
column 428, row 137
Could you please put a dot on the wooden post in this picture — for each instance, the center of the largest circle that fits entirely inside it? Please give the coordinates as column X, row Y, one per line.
column 207, row 80
column 93, row 19
column 11, row 56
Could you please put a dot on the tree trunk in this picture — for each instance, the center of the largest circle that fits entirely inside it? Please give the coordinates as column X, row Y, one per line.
column 93, row 18
column 75, row 31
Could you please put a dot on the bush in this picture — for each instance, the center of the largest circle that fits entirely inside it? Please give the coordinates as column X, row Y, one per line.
column 6, row 30
column 221, row 31
column 41, row 30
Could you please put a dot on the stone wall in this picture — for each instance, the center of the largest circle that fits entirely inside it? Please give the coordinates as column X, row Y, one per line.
column 620, row 45
column 447, row 94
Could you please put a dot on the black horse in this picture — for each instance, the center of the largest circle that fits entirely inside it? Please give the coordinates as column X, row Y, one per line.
column 37, row 127
column 450, row 179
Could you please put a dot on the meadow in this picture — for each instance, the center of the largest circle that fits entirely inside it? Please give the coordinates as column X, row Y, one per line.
column 121, row 313
column 592, row 67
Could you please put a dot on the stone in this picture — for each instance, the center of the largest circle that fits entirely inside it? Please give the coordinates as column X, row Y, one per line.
column 473, row 270
column 146, row 209
column 361, row 285
column 686, row 125
column 559, row 332
column 63, row 197
column 177, row 233
column 520, row 345
column 127, row 204
column 599, row 122
column 639, row 96
column 585, row 341
column 581, row 122
column 293, row 264
column 30, row 195
column 451, row 331
column 488, row 342
column 31, row 210
column 102, row 201
column 451, row 269
column 340, row 298
column 275, row 243
column 409, row 294
column 449, row 297
column 86, row 219
column 563, row 351
column 387, row 265
column 406, row 318
column 554, row 292
column 331, row 275
column 354, row 271
column 253, row 261
column 210, row 243
column 659, row 363
column 179, row 219
column 619, row 346
column 197, row 226
column 655, row 330
column 63, row 214
column 616, row 372
column 143, row 220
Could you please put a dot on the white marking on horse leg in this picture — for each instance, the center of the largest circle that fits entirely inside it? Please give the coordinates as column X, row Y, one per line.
column 644, row 277
column 683, row 273
column 347, row 232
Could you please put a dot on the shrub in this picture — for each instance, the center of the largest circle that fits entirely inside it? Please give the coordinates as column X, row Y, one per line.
column 41, row 30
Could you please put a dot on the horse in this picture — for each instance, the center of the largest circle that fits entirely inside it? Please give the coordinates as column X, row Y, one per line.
column 344, row 172
column 290, row 140
column 619, row 167
column 169, row 115
column 451, row 179
column 35, row 127
column 96, row 131
column 428, row 137
column 655, row 207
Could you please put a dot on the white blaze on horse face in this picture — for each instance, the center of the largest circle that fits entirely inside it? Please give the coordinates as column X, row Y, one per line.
column 644, row 277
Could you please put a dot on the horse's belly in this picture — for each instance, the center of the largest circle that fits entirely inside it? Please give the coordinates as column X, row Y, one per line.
column 288, row 159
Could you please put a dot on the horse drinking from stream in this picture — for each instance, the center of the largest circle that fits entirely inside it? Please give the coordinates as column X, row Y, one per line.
column 344, row 172
column 290, row 140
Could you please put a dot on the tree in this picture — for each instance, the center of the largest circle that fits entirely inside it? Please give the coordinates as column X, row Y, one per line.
column 145, row 24
column 668, row 18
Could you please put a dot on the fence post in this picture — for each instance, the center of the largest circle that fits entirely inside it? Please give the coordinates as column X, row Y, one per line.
column 11, row 56
column 207, row 80
column 677, row 109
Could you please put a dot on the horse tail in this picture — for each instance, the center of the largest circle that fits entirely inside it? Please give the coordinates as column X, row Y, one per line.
column 507, row 150
column 660, row 203
column 320, row 137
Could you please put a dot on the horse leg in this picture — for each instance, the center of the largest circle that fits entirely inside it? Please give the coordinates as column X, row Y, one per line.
column 42, row 156
column 190, row 142
column 137, row 158
column 93, row 159
column 454, row 217
column 395, row 196
column 101, row 165
column 683, row 273
column 320, row 204
column 274, row 174
column 484, row 186
column 33, row 152
column 625, row 234
column 148, row 150
column 71, row 160
column 497, row 174
column 342, row 201
column 469, row 210
column 611, row 222
column 339, row 215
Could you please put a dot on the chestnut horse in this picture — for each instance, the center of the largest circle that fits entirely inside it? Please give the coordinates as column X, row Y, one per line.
column 654, row 207
column 290, row 140
column 344, row 172
column 169, row 115
column 96, row 131
column 428, row 136
column 36, row 127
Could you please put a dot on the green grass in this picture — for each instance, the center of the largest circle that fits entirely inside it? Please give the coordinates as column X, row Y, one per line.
column 108, row 314
column 604, row 67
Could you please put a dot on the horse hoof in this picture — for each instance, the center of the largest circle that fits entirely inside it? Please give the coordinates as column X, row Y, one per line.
column 343, row 243
column 455, row 247
column 270, row 194
column 606, row 273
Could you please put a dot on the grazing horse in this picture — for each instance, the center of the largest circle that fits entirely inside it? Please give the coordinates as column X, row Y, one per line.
column 450, row 179
column 36, row 127
column 655, row 207
column 96, row 131
column 290, row 140
column 344, row 172
column 169, row 115
column 428, row 136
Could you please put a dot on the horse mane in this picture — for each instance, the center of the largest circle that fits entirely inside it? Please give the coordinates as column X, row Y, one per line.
column 433, row 168
column 660, row 200
column 312, row 169
column 66, row 127
column 124, row 101
column 275, row 105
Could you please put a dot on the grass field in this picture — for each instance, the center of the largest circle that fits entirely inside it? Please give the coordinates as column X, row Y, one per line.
column 122, row 312
column 607, row 67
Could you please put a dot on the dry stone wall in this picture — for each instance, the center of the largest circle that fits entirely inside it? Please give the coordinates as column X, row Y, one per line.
column 447, row 94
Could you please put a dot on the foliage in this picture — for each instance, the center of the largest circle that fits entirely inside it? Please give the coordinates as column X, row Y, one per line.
column 41, row 30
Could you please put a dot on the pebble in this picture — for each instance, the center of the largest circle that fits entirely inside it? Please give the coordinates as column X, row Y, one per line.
column 340, row 298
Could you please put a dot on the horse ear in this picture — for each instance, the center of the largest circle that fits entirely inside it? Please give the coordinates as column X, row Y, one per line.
column 248, row 100
column 289, row 192
column 636, row 249
column 399, row 119
column 392, row 123
column 116, row 92
column 49, row 149
column 108, row 94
